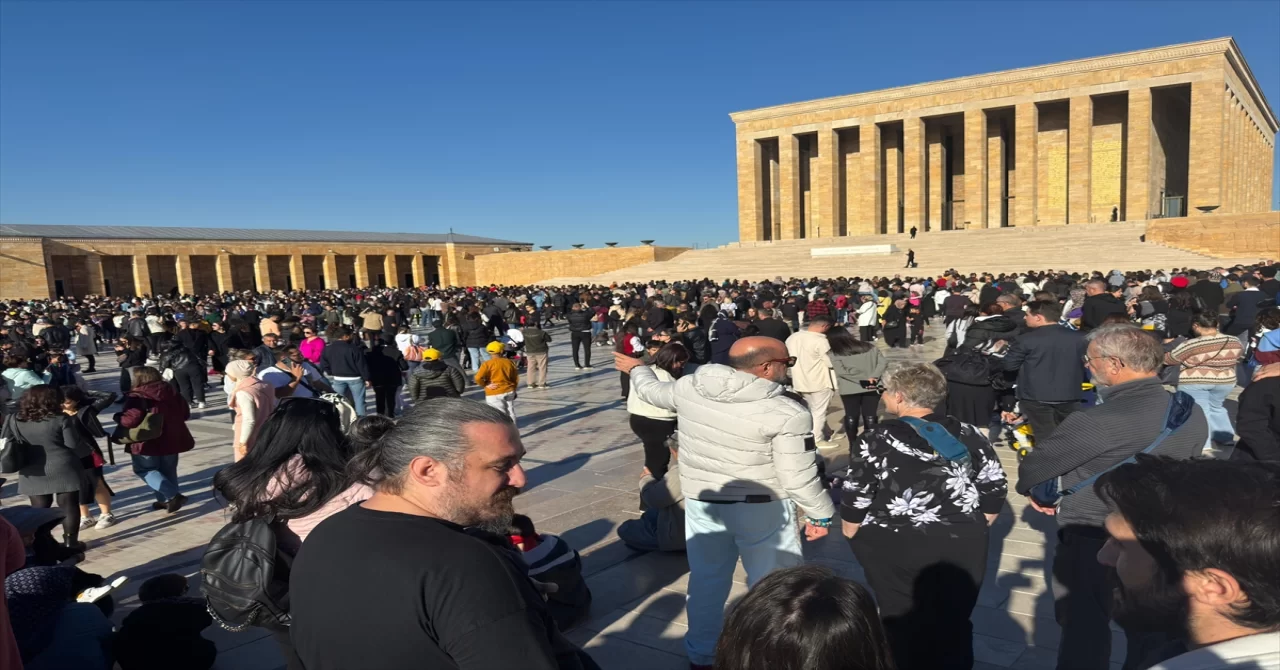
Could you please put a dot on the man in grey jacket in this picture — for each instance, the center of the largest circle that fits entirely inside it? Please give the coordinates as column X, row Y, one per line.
column 1124, row 361
column 746, row 453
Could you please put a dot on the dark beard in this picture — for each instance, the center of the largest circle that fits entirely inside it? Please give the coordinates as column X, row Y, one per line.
column 496, row 516
column 1158, row 607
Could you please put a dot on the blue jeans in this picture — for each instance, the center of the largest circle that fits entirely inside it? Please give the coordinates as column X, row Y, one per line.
column 353, row 389
column 478, row 356
column 1210, row 398
column 159, row 472
column 765, row 535
column 596, row 328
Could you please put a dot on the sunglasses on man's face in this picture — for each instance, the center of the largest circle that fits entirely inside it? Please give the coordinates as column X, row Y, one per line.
column 789, row 361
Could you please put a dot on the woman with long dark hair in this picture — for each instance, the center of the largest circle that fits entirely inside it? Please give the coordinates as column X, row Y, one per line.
column 53, row 456
column 858, row 366
column 297, row 473
column 653, row 425
column 804, row 617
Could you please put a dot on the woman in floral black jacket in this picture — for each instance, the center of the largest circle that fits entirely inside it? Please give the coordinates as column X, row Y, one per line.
column 917, row 521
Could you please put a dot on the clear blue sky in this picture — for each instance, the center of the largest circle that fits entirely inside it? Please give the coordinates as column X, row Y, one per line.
column 540, row 122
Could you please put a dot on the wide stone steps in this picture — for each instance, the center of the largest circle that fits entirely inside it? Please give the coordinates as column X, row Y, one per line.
column 1078, row 248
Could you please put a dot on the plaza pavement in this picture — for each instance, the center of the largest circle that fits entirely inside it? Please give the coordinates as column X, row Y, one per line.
column 583, row 466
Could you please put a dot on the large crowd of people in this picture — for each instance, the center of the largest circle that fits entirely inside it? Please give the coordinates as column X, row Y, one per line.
column 390, row 530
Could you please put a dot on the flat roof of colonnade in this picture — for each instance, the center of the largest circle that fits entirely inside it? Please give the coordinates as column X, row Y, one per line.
column 238, row 235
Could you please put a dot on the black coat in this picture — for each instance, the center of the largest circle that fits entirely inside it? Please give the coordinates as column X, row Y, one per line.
column 1048, row 363
column 695, row 340
column 385, row 366
column 1258, row 422
column 775, row 328
column 579, row 321
column 998, row 327
column 1209, row 292
column 475, row 333
column 1244, row 307
column 1098, row 307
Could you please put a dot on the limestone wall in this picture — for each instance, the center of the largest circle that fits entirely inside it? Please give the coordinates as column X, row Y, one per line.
column 1228, row 236
column 510, row 269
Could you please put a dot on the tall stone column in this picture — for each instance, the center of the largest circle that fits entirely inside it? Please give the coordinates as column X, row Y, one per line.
column 419, row 271
column 975, row 168
column 226, row 283
column 913, row 173
column 825, row 185
column 390, row 270
column 262, row 273
column 362, row 271
column 297, row 272
column 789, row 184
column 995, row 173
column 750, row 196
column 1204, row 173
column 330, row 271
column 872, row 184
column 1137, row 201
column 182, row 268
column 93, row 269
column 1026, row 134
column 937, row 173
column 141, row 275
column 1079, row 167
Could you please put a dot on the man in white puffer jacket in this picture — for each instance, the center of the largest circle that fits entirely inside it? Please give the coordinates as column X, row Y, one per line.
column 746, row 452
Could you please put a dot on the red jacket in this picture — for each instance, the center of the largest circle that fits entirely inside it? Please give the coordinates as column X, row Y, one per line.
column 161, row 398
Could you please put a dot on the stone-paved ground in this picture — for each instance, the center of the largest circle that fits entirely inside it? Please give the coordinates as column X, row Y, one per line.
column 584, row 466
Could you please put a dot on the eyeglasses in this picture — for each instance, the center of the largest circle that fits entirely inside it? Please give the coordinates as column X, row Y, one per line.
column 1087, row 359
column 789, row 361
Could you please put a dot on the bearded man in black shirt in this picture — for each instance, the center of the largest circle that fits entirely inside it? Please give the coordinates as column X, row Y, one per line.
column 416, row 576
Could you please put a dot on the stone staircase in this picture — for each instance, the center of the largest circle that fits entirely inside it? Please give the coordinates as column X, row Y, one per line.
column 1073, row 248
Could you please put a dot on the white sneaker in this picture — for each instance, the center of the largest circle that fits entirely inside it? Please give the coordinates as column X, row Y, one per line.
column 86, row 522
column 200, row 405
column 105, row 521
column 577, row 368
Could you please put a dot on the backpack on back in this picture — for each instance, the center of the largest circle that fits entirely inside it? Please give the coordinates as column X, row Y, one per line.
column 245, row 578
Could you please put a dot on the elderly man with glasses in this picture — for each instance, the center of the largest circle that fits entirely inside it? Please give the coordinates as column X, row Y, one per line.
column 748, row 470
column 1124, row 361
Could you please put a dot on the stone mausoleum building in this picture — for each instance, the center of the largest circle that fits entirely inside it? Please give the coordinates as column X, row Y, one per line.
column 1178, row 131
column 50, row 261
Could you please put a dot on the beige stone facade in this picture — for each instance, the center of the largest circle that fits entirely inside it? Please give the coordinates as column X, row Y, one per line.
column 525, row 269
column 1168, row 132
column 44, row 266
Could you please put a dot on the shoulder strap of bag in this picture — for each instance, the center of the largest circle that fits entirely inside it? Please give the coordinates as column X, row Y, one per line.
column 939, row 438
column 1180, row 406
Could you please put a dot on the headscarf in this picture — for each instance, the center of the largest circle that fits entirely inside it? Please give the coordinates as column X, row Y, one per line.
column 35, row 597
column 240, row 369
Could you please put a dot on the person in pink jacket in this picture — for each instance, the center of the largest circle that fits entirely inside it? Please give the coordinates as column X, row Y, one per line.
column 311, row 346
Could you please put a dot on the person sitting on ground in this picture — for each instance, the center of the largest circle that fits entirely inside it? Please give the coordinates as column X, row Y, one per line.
column 435, row 379
column 53, row 631
column 804, row 617
column 552, row 561
column 661, row 526
column 165, row 631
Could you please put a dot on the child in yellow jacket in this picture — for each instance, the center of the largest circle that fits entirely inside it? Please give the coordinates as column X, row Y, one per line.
column 499, row 377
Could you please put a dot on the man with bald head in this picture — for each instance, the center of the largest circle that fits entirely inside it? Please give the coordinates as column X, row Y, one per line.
column 748, row 470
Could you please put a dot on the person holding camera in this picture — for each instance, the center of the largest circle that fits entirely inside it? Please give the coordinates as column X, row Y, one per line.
column 1124, row 361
